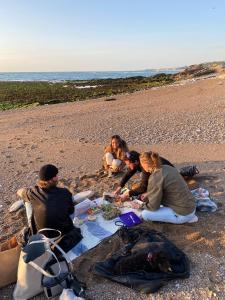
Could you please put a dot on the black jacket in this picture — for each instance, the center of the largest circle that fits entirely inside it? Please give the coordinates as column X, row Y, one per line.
column 51, row 207
column 142, row 188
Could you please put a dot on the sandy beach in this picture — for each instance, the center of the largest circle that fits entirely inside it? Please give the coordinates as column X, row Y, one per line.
column 184, row 122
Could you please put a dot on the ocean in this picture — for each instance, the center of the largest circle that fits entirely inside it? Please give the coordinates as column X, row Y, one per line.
column 61, row 76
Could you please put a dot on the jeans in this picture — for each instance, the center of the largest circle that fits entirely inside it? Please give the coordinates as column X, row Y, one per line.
column 166, row 214
column 111, row 161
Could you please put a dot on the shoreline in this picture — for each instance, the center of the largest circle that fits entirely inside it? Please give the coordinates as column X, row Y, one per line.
column 86, row 75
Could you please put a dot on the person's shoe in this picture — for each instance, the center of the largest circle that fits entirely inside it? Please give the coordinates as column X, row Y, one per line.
column 194, row 219
column 110, row 174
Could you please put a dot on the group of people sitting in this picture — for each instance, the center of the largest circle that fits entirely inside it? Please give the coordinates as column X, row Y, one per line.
column 165, row 193
column 163, row 190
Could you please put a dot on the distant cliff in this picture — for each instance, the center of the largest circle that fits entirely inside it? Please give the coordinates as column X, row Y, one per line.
column 193, row 71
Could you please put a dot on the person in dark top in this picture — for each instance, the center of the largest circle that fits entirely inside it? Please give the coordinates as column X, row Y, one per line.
column 52, row 207
column 132, row 161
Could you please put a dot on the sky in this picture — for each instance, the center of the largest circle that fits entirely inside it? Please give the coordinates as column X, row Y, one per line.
column 108, row 35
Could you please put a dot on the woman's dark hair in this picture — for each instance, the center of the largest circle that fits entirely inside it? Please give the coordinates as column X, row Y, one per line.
column 116, row 137
column 132, row 156
column 122, row 143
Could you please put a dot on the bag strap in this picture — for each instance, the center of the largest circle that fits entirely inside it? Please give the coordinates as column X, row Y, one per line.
column 64, row 255
column 119, row 223
column 52, row 230
column 51, row 241
column 48, row 241
column 41, row 270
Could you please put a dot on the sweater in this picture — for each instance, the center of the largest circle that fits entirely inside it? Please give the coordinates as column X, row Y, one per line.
column 142, row 188
column 51, row 207
column 167, row 187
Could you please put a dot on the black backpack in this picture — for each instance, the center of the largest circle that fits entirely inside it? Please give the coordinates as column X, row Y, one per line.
column 189, row 171
column 146, row 262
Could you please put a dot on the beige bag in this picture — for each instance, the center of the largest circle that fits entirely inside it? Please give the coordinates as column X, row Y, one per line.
column 30, row 274
column 9, row 260
column 28, row 278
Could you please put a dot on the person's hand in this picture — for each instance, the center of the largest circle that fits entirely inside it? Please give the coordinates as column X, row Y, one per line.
column 117, row 191
column 144, row 197
column 124, row 196
column 20, row 192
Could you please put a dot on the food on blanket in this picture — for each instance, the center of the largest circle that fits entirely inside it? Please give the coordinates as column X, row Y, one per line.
column 82, row 207
column 135, row 204
column 118, row 202
column 110, row 212
column 93, row 211
column 91, row 218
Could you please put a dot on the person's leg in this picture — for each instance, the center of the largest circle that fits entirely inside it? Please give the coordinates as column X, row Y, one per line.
column 116, row 163
column 166, row 214
column 70, row 240
column 109, row 158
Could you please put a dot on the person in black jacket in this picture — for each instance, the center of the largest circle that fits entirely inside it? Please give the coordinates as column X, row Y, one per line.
column 132, row 162
column 52, row 207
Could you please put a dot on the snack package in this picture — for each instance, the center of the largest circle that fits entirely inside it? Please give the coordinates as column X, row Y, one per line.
column 135, row 204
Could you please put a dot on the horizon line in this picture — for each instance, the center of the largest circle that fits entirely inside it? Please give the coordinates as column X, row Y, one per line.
column 98, row 71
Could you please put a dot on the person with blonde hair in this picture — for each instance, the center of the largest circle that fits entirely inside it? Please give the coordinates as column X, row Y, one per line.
column 114, row 155
column 168, row 198
column 133, row 165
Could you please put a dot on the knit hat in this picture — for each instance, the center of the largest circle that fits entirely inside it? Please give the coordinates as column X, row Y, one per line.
column 47, row 172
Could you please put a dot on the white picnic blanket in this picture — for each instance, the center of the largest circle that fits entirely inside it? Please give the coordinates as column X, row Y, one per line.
column 95, row 231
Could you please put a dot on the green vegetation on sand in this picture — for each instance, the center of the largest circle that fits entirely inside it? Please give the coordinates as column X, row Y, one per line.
column 20, row 94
